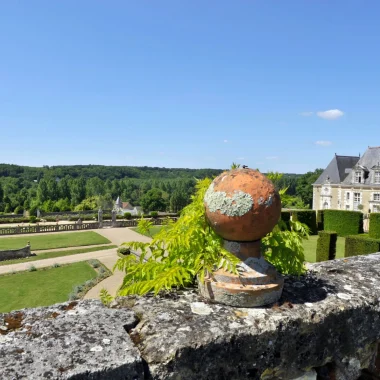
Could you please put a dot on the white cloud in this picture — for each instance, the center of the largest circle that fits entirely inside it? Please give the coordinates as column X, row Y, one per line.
column 306, row 113
column 240, row 158
column 323, row 142
column 271, row 157
column 225, row 141
column 330, row 114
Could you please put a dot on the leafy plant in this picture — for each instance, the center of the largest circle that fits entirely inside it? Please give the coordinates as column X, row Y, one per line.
column 179, row 253
column 56, row 265
column 32, row 268
column 283, row 247
column 189, row 248
column 105, row 297
column 144, row 226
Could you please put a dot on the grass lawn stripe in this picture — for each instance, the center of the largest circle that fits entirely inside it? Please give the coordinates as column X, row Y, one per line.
column 54, row 240
column 49, row 255
column 42, row 287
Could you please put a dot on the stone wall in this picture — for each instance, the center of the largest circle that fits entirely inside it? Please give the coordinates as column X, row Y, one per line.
column 11, row 254
column 327, row 323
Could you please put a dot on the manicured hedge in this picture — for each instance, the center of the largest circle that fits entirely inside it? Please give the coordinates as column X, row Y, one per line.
column 374, row 225
column 320, row 220
column 343, row 222
column 309, row 218
column 285, row 217
column 326, row 245
column 360, row 245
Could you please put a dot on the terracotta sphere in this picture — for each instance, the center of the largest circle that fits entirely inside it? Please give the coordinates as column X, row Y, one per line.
column 242, row 205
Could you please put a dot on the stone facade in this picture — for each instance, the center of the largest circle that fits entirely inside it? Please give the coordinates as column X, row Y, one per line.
column 11, row 254
column 327, row 323
column 350, row 183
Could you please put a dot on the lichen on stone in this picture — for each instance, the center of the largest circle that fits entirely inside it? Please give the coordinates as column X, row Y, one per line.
column 238, row 205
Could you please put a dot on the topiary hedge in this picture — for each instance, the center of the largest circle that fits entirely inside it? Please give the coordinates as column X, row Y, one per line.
column 343, row 222
column 285, row 217
column 309, row 218
column 374, row 225
column 320, row 220
column 360, row 245
column 326, row 245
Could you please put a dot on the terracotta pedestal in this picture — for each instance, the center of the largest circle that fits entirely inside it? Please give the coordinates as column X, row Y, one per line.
column 257, row 284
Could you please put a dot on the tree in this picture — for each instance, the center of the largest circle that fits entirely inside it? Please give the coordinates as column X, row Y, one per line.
column 78, row 190
column 64, row 188
column 304, row 188
column 153, row 201
column 53, row 190
column 42, row 191
column 178, row 201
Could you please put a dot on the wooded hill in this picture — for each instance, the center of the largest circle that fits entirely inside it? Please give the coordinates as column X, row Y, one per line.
column 87, row 187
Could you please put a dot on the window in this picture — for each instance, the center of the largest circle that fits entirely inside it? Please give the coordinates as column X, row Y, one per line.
column 377, row 177
column 347, row 207
column 358, row 176
column 348, row 196
column 325, row 205
column 357, row 200
column 376, row 196
column 376, row 208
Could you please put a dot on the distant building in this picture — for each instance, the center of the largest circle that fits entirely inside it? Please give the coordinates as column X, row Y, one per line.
column 123, row 207
column 350, row 183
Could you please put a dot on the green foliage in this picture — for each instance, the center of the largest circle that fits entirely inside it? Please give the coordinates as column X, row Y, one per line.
column 127, row 215
column 154, row 214
column 153, row 201
column 124, row 251
column 285, row 217
column 326, row 245
column 144, row 226
column 284, row 249
column 105, row 297
column 32, row 219
column 188, row 248
column 304, row 188
column 32, row 268
column 87, row 204
column 320, row 220
column 360, row 245
column 307, row 217
column 178, row 253
column 343, row 222
column 235, row 166
column 374, row 225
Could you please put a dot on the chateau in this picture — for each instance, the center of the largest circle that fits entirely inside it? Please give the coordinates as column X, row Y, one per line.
column 350, row 183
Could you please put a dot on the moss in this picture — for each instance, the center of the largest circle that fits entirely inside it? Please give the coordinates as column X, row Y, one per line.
column 238, row 205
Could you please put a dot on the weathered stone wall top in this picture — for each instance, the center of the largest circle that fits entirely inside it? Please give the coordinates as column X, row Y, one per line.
column 326, row 320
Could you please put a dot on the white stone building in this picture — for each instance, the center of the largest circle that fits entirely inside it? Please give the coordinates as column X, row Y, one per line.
column 350, row 183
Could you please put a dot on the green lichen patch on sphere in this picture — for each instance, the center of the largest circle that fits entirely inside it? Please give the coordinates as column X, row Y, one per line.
column 238, row 205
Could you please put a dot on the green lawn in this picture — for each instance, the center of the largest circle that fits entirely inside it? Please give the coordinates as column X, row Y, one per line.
column 49, row 255
column 43, row 287
column 310, row 247
column 54, row 240
column 153, row 230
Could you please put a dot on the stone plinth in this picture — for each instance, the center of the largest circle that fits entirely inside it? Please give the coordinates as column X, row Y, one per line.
column 242, row 206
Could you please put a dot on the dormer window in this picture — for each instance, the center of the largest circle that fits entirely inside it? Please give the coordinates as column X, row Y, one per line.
column 376, row 178
column 358, row 176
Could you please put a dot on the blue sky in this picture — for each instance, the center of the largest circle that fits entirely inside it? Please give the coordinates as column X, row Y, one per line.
column 188, row 83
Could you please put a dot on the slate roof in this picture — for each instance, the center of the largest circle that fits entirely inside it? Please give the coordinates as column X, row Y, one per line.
column 369, row 160
column 337, row 170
